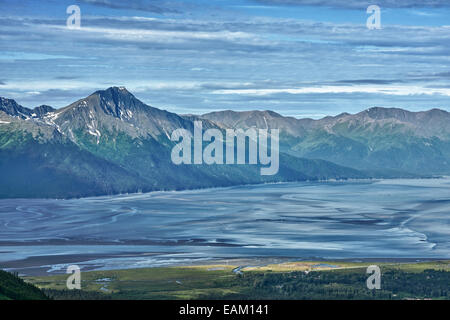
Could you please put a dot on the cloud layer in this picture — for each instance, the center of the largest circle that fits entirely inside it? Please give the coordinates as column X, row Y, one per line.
column 361, row 4
column 193, row 60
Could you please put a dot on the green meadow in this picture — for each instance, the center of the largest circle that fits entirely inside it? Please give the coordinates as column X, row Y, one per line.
column 290, row 280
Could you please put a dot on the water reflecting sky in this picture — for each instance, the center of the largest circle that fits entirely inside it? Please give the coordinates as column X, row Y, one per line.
column 382, row 219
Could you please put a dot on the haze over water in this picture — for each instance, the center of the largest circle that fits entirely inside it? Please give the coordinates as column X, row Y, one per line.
column 372, row 219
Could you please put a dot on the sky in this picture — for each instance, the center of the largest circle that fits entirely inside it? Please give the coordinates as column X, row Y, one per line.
column 301, row 58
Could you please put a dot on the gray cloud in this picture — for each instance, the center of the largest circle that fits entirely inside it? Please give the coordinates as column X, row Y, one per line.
column 66, row 77
column 369, row 81
column 141, row 5
column 442, row 74
column 361, row 4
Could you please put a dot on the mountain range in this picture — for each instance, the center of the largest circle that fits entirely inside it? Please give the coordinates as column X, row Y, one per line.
column 110, row 142
column 376, row 140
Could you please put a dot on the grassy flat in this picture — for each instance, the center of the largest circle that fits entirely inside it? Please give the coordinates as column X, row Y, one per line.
column 334, row 265
column 332, row 279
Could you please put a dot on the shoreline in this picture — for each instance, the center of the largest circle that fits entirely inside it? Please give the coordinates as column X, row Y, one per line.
column 44, row 266
column 106, row 196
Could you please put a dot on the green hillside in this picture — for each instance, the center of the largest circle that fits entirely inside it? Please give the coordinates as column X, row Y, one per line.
column 14, row 288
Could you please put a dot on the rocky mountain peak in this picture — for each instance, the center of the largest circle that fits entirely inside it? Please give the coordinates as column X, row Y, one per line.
column 42, row 110
column 115, row 101
column 379, row 113
column 12, row 108
column 114, row 92
column 401, row 115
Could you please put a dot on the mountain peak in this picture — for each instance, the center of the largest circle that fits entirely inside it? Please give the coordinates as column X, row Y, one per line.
column 121, row 91
column 12, row 108
column 115, row 101
column 42, row 110
column 107, row 112
column 380, row 113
